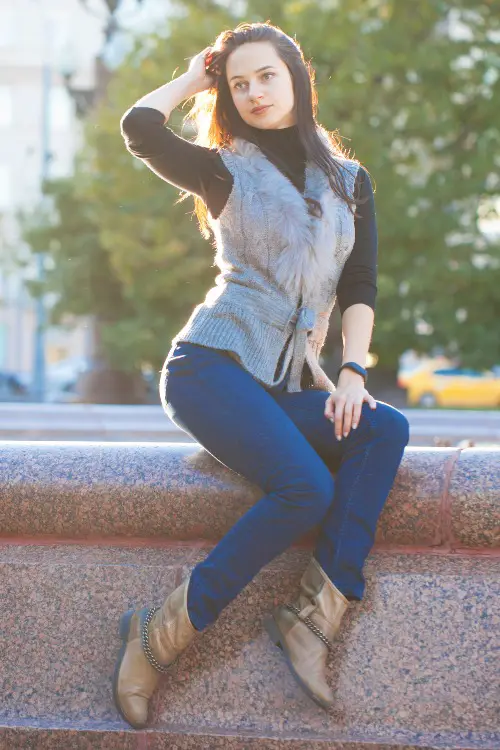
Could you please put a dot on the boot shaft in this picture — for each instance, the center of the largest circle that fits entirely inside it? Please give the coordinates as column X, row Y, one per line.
column 171, row 630
column 320, row 600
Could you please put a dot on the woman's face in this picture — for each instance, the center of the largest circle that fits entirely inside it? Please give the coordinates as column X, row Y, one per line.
column 258, row 78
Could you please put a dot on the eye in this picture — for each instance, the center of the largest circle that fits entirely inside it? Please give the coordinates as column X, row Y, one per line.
column 271, row 75
column 239, row 84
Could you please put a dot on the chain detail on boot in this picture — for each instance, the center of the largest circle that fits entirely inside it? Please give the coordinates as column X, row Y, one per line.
column 307, row 628
column 307, row 621
column 170, row 630
column 166, row 631
column 145, row 643
column 320, row 602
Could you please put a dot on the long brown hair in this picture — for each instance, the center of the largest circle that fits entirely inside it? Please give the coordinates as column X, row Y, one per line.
column 217, row 120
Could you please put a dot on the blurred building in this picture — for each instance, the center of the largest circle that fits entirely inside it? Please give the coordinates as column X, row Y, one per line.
column 65, row 36
column 34, row 33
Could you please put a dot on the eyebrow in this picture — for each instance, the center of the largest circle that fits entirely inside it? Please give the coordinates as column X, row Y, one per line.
column 264, row 67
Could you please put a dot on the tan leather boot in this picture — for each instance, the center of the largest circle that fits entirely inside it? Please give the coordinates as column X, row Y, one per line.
column 304, row 631
column 152, row 641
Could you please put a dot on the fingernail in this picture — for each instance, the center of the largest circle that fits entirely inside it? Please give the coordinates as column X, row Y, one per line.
column 354, row 426
column 339, row 437
column 346, row 434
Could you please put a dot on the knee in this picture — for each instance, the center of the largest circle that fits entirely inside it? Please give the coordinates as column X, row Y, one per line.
column 390, row 422
column 315, row 492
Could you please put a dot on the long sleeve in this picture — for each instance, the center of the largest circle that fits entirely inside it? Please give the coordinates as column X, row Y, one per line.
column 184, row 164
column 358, row 281
column 201, row 171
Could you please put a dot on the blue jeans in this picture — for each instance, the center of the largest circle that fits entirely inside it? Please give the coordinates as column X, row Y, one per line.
column 283, row 443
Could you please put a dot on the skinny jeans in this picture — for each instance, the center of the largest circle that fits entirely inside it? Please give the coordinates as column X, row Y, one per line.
column 283, row 443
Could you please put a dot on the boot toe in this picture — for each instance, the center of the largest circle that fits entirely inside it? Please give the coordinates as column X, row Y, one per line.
column 323, row 694
column 134, row 709
column 135, row 680
column 315, row 686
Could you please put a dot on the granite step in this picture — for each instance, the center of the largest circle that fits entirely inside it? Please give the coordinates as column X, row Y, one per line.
column 91, row 529
column 415, row 663
column 445, row 498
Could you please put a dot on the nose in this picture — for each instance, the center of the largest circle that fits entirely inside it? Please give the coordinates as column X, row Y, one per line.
column 253, row 91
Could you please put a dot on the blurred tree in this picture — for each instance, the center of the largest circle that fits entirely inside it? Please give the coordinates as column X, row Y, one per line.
column 112, row 8
column 413, row 93
column 153, row 244
column 80, row 278
column 417, row 94
column 80, row 274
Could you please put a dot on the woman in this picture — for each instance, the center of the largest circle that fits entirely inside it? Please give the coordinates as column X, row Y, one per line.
column 243, row 376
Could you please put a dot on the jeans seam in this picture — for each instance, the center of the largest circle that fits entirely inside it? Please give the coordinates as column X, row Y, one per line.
column 349, row 503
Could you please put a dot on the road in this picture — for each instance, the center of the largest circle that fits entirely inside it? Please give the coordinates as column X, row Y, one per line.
column 149, row 423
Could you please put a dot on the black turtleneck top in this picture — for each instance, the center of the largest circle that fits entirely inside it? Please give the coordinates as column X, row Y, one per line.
column 201, row 171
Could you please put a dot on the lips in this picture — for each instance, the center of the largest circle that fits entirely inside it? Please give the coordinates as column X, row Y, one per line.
column 258, row 110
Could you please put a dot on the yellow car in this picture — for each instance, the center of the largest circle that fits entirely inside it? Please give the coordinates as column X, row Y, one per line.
column 453, row 386
column 411, row 366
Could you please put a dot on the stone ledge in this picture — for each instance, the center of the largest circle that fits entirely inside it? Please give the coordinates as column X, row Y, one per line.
column 442, row 497
column 413, row 665
column 475, row 483
column 83, row 738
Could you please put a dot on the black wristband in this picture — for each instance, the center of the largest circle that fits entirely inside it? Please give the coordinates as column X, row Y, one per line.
column 356, row 368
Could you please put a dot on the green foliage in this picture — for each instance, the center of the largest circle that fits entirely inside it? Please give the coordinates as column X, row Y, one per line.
column 391, row 82
column 79, row 271
column 427, row 130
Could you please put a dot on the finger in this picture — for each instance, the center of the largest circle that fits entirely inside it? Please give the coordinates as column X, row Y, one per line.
column 356, row 415
column 347, row 418
column 339, row 417
column 329, row 408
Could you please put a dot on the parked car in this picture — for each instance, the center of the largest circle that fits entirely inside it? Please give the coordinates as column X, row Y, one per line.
column 453, row 386
column 12, row 388
column 61, row 379
column 411, row 364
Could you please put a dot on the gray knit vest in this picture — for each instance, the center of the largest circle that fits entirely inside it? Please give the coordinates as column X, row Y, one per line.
column 273, row 256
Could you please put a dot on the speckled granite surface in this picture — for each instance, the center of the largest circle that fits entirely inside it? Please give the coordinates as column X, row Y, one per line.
column 84, row 739
column 148, row 490
column 475, row 483
column 57, row 738
column 412, row 512
column 180, row 492
column 414, row 663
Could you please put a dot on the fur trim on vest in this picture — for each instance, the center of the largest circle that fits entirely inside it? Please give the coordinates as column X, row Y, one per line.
column 279, row 268
column 307, row 258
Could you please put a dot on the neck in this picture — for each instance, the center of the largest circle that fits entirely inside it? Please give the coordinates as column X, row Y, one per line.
column 275, row 132
column 280, row 140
